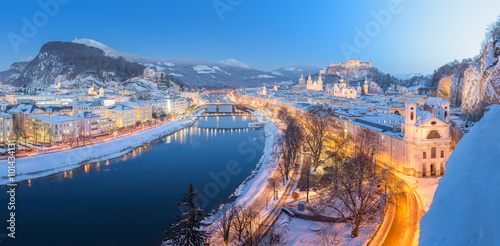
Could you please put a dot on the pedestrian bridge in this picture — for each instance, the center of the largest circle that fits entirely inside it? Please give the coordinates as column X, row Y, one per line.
column 221, row 107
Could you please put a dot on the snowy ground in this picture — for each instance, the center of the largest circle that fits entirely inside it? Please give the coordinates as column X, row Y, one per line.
column 303, row 232
column 47, row 164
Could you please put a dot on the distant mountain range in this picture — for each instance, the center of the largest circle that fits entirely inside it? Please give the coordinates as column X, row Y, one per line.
column 83, row 61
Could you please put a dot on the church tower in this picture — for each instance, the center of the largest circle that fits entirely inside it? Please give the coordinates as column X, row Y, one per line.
column 320, row 84
column 309, row 80
column 101, row 92
column 301, row 80
column 444, row 111
column 342, row 83
column 409, row 124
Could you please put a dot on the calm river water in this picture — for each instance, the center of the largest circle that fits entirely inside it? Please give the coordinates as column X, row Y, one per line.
column 130, row 200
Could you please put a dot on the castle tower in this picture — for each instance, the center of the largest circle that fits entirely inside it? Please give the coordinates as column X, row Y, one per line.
column 365, row 86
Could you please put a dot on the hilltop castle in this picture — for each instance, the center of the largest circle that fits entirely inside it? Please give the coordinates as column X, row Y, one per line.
column 333, row 68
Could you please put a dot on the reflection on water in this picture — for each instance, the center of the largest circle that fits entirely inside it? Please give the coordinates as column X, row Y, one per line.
column 204, row 127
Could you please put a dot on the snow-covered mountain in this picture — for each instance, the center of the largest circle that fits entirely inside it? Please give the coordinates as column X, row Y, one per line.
column 294, row 72
column 465, row 208
column 75, row 65
column 198, row 72
column 9, row 76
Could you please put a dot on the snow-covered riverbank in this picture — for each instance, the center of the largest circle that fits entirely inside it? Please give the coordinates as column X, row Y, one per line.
column 48, row 164
column 253, row 187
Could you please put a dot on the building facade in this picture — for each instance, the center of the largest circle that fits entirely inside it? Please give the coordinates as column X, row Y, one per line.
column 59, row 128
column 143, row 110
column 92, row 107
column 6, row 127
column 88, row 124
column 122, row 115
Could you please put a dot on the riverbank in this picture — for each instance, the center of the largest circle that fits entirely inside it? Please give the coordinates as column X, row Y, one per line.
column 253, row 189
column 48, row 164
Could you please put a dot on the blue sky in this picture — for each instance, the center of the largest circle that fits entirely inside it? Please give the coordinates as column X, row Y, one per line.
column 419, row 37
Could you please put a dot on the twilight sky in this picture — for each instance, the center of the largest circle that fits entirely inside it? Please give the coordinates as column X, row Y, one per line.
column 408, row 36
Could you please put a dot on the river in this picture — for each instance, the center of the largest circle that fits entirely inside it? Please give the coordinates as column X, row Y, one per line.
column 130, row 200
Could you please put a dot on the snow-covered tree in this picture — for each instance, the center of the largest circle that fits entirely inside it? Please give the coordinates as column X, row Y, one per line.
column 187, row 229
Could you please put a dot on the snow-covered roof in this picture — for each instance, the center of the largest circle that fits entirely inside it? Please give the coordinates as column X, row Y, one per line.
column 24, row 108
column 55, row 118
column 119, row 107
column 411, row 101
column 133, row 103
column 86, row 115
column 87, row 104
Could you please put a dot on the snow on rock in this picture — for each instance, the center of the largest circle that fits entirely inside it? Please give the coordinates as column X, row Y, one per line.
column 47, row 164
column 482, row 80
column 465, row 210
column 218, row 68
column 234, row 63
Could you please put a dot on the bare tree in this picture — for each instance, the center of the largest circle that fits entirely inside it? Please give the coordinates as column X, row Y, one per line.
column 367, row 142
column 242, row 220
column 492, row 33
column 288, row 145
column 254, row 232
column 272, row 183
column 224, row 222
column 354, row 191
column 321, row 132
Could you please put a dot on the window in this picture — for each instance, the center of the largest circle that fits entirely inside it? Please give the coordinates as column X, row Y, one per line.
column 411, row 116
column 433, row 152
column 442, row 153
column 424, row 156
column 433, row 134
